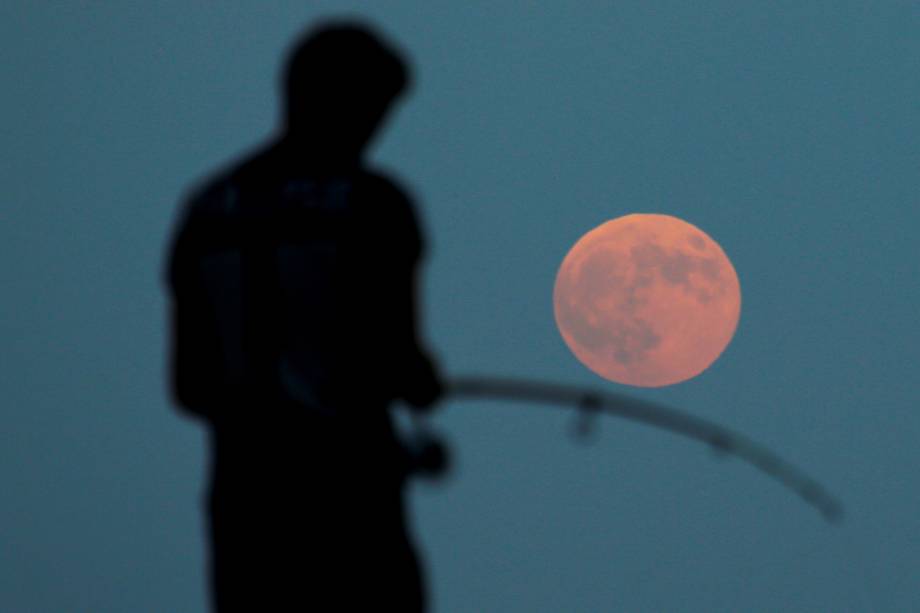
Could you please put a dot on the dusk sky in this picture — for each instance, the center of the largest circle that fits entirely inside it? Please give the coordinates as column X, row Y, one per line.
column 788, row 131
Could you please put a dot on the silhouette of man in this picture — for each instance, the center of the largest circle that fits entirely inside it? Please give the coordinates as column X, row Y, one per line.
column 293, row 288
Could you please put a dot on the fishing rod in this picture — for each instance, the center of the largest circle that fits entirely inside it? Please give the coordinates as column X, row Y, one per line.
column 591, row 402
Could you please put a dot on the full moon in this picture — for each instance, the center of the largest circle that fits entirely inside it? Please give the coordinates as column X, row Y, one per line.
column 647, row 300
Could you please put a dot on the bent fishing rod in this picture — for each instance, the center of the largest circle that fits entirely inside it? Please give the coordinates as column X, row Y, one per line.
column 590, row 403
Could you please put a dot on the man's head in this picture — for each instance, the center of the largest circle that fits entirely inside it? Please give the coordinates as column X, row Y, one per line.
column 339, row 81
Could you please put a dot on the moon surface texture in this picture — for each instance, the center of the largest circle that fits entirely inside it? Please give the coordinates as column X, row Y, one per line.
column 647, row 300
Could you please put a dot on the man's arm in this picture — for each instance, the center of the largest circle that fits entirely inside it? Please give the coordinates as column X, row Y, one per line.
column 192, row 359
column 422, row 384
column 192, row 345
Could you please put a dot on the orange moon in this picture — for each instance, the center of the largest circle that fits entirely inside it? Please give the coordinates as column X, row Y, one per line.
column 647, row 300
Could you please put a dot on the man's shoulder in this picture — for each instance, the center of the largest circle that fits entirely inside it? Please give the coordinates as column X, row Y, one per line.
column 211, row 197
column 385, row 185
column 392, row 211
column 218, row 194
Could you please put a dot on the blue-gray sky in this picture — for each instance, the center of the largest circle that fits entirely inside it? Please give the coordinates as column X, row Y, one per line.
column 788, row 131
